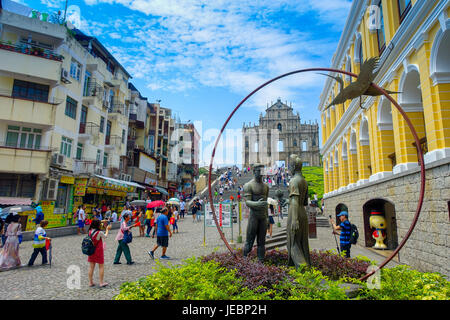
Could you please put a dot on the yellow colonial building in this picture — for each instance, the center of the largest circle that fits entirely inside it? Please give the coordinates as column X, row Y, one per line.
column 370, row 159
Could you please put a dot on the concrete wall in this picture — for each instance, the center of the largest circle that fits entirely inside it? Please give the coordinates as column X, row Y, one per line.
column 428, row 246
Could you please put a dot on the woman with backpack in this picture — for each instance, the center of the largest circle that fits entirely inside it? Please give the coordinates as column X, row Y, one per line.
column 97, row 237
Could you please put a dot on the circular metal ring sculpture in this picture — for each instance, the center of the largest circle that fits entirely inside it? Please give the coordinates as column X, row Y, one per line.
column 405, row 117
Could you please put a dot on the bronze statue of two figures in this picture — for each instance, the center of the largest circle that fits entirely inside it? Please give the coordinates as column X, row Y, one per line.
column 256, row 193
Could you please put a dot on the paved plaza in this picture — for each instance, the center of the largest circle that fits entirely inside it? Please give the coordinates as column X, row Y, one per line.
column 60, row 280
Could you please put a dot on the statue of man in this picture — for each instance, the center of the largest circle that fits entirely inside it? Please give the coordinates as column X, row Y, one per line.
column 297, row 224
column 256, row 193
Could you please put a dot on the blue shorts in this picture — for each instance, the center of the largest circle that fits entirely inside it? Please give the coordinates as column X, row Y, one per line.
column 271, row 221
column 80, row 224
column 162, row 241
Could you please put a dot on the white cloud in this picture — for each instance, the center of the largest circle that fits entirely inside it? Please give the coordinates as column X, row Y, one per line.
column 222, row 43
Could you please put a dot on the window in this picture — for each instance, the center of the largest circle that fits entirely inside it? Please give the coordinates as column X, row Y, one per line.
column 304, row 146
column 123, row 135
column 87, row 82
column 404, row 6
column 151, row 143
column 71, row 108
column 75, row 70
column 23, row 137
column 102, row 124
column 105, row 160
column 380, row 31
column 280, row 127
column 66, row 146
column 295, row 143
column 79, row 151
column 305, row 164
column 30, row 90
column 280, row 146
column 17, row 185
column 99, row 154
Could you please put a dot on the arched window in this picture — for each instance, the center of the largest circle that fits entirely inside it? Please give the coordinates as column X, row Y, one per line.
column 304, row 146
column 280, row 146
column 358, row 56
column 295, row 142
column 380, row 30
column 280, row 127
column 439, row 62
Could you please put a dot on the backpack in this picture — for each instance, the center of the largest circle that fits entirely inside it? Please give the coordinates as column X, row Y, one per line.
column 354, row 234
column 87, row 245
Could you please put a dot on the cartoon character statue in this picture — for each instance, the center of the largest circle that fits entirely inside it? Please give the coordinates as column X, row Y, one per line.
column 378, row 222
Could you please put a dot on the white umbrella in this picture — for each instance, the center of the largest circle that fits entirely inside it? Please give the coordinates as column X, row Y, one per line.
column 272, row 201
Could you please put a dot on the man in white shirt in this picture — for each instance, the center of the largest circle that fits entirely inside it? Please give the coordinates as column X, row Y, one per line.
column 114, row 216
column 81, row 217
column 182, row 208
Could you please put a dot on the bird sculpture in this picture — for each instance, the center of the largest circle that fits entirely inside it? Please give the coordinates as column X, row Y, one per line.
column 362, row 85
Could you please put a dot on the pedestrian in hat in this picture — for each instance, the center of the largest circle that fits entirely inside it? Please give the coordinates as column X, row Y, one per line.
column 345, row 231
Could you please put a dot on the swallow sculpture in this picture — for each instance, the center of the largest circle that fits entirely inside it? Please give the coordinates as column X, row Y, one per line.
column 362, row 85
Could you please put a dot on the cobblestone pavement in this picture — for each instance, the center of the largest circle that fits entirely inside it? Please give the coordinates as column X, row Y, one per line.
column 45, row 282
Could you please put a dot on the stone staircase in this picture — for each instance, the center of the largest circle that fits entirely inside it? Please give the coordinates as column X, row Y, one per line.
column 278, row 240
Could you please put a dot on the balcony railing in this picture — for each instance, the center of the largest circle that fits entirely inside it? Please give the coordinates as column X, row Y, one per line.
column 118, row 107
column 423, row 145
column 36, row 98
column 93, row 89
column 23, row 146
column 85, row 165
column 89, row 128
column 113, row 141
column 31, row 50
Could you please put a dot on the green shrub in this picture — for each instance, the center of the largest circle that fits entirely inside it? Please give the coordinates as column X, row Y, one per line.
column 192, row 280
column 403, row 283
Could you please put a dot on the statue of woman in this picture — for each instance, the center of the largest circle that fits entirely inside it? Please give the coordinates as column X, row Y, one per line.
column 297, row 224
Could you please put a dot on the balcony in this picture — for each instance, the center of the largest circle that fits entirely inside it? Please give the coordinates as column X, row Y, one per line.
column 118, row 108
column 86, row 166
column 88, row 130
column 112, row 142
column 27, row 110
column 24, row 159
column 30, row 61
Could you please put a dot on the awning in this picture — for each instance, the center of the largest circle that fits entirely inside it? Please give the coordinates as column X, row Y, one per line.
column 129, row 183
column 12, row 201
column 162, row 190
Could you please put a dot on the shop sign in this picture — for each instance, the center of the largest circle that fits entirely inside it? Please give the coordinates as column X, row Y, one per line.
column 67, row 180
column 105, row 184
column 80, row 187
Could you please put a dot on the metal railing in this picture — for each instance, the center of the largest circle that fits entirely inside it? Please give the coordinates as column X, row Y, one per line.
column 31, row 50
column 36, row 98
column 114, row 141
column 23, row 146
column 89, row 128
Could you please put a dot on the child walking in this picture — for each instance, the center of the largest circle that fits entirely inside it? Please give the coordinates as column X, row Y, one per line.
column 39, row 243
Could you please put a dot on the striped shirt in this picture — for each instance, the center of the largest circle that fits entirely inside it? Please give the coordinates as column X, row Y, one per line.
column 345, row 232
column 39, row 238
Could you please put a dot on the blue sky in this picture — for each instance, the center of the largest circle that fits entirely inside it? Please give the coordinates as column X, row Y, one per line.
column 201, row 58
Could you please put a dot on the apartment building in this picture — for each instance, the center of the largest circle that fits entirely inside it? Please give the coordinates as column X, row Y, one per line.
column 64, row 118
column 370, row 159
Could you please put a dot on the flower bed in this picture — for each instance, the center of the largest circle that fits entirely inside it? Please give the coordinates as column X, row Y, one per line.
column 219, row 276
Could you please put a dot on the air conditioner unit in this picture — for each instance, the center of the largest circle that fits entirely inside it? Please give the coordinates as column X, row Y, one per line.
column 51, row 189
column 65, row 76
column 58, row 159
